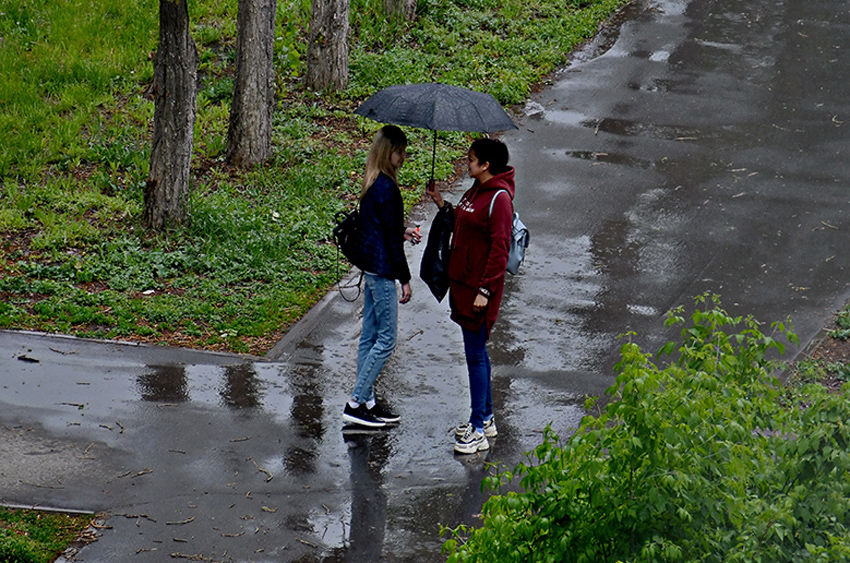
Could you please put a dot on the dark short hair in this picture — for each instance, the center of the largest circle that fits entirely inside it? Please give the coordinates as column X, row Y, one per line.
column 493, row 151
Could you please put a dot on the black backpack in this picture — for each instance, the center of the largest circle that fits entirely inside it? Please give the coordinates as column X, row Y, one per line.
column 346, row 235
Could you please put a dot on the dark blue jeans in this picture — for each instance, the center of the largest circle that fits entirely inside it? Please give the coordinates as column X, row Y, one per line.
column 478, row 364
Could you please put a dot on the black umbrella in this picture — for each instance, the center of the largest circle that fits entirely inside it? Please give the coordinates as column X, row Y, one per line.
column 438, row 107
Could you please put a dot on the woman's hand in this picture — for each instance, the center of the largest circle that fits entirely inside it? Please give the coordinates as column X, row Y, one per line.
column 432, row 191
column 413, row 235
column 480, row 303
column 406, row 293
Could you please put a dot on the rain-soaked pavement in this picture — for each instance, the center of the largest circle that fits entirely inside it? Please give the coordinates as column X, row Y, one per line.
column 700, row 147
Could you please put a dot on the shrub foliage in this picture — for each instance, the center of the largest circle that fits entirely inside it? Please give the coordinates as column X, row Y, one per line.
column 707, row 458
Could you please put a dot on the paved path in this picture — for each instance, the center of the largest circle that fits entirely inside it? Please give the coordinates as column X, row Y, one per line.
column 703, row 151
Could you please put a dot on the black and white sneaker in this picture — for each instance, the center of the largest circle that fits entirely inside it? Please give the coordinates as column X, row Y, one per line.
column 489, row 428
column 361, row 416
column 471, row 442
column 385, row 414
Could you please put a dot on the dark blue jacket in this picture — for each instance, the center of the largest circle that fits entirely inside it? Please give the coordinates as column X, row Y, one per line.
column 382, row 231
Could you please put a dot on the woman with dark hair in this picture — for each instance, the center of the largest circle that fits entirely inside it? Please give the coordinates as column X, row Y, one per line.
column 479, row 254
column 383, row 262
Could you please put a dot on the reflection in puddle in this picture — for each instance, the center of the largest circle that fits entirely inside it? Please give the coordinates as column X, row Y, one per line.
column 242, row 388
column 307, row 413
column 164, row 384
column 656, row 85
column 236, row 386
column 612, row 158
column 299, row 461
column 628, row 128
column 566, row 117
column 368, row 453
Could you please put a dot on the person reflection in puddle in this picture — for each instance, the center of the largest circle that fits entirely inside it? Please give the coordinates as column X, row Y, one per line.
column 367, row 452
column 382, row 236
column 479, row 255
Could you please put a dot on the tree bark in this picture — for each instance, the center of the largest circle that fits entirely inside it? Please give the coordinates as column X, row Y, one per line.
column 403, row 8
column 175, row 106
column 327, row 50
column 249, row 136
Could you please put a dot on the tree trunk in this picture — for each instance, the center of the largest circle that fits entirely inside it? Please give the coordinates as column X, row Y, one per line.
column 402, row 8
column 249, row 137
column 175, row 107
column 327, row 50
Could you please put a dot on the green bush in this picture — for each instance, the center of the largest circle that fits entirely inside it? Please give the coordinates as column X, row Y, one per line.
column 708, row 458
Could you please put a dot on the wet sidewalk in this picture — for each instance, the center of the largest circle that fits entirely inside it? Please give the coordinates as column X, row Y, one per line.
column 218, row 457
column 698, row 148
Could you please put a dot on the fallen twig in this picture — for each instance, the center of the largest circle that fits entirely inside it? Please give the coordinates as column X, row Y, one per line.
column 80, row 406
column 180, row 522
column 266, row 471
column 138, row 517
column 36, row 485
column 194, row 557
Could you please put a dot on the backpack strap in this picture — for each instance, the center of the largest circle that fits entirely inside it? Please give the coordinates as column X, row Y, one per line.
column 493, row 201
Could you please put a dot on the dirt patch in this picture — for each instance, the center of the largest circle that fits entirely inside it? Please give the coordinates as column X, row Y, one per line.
column 830, row 351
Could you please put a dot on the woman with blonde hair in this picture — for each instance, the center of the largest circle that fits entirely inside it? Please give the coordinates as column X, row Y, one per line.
column 382, row 236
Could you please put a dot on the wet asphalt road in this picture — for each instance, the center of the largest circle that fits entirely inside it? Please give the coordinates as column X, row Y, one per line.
column 700, row 147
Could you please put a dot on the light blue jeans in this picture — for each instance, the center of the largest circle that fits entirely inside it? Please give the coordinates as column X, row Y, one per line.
column 378, row 337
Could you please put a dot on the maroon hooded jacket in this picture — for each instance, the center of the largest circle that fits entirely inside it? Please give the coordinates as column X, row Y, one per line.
column 480, row 245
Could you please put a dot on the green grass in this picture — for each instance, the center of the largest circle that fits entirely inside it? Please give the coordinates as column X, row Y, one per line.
column 28, row 536
column 76, row 114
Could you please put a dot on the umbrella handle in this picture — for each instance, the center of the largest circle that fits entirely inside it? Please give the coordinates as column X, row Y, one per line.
column 433, row 155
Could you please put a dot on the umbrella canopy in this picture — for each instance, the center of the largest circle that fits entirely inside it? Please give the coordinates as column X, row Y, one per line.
column 438, row 107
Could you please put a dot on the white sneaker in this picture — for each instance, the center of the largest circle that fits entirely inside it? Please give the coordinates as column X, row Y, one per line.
column 489, row 428
column 472, row 441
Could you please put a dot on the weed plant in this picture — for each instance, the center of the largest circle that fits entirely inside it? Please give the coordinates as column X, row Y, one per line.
column 76, row 112
column 842, row 323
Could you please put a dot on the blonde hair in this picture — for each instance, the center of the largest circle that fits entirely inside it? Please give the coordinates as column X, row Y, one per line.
column 387, row 140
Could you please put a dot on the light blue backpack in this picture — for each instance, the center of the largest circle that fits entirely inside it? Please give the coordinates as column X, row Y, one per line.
column 520, row 238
